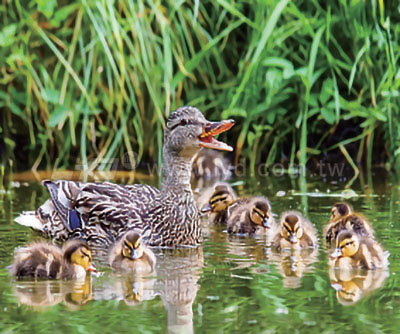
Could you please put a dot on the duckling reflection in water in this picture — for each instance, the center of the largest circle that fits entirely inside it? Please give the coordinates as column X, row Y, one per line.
column 217, row 203
column 129, row 254
column 43, row 294
column 353, row 285
column 43, row 260
column 353, row 252
column 344, row 218
column 293, row 264
column 295, row 232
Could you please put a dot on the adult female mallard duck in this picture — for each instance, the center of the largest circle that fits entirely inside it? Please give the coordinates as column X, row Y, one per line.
column 354, row 252
column 100, row 212
column 295, row 232
column 129, row 254
column 218, row 203
column 344, row 218
column 43, row 260
column 250, row 216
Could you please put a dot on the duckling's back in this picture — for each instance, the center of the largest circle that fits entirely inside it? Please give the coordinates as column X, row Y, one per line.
column 37, row 260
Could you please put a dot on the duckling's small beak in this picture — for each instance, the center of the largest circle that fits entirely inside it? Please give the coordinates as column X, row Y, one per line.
column 337, row 286
column 212, row 129
column 135, row 254
column 206, row 208
column 293, row 239
column 266, row 223
column 92, row 268
column 336, row 253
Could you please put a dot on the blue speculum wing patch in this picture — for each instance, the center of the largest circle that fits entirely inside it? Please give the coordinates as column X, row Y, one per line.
column 74, row 220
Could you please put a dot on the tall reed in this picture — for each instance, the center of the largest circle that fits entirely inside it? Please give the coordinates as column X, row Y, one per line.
column 85, row 82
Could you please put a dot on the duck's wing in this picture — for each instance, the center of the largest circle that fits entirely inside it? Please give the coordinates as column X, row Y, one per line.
column 96, row 212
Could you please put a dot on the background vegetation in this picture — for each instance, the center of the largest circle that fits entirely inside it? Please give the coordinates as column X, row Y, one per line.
column 306, row 80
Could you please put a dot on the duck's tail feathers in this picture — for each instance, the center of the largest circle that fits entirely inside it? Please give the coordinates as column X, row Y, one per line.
column 29, row 218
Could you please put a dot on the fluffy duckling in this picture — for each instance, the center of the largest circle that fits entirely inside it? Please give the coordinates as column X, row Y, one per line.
column 43, row 260
column 211, row 164
column 295, row 232
column 353, row 252
column 344, row 218
column 250, row 216
column 129, row 254
column 222, row 197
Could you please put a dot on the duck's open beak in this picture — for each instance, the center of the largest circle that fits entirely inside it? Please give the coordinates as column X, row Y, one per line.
column 212, row 129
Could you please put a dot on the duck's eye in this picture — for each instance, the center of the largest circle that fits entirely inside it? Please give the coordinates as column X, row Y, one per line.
column 184, row 122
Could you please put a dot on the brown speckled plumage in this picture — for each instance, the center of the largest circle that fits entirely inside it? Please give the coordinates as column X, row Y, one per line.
column 165, row 218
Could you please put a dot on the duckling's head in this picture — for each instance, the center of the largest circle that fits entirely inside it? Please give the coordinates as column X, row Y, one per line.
column 222, row 197
column 341, row 209
column 187, row 131
column 347, row 244
column 132, row 246
column 261, row 213
column 292, row 229
column 76, row 252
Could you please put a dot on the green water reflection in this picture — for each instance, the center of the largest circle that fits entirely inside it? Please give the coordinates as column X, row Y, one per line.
column 229, row 284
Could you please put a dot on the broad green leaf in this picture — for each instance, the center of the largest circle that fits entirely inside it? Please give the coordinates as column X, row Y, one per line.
column 7, row 35
column 328, row 115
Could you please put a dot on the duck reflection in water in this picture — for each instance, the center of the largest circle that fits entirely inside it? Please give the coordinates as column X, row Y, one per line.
column 43, row 294
column 174, row 280
column 353, row 285
column 293, row 264
column 179, row 272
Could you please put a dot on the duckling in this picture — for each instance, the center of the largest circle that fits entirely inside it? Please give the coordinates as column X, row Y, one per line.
column 354, row 252
column 210, row 164
column 129, row 254
column 341, row 209
column 250, row 216
column 295, row 232
column 344, row 218
column 222, row 197
column 43, row 260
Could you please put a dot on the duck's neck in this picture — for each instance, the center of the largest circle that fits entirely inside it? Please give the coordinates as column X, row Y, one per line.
column 176, row 174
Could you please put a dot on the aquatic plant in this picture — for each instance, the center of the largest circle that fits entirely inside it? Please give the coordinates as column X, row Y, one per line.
column 83, row 82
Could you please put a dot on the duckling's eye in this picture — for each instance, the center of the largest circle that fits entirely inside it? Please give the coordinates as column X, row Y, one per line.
column 127, row 246
column 258, row 213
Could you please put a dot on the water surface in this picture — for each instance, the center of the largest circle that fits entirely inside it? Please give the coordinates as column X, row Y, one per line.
column 235, row 285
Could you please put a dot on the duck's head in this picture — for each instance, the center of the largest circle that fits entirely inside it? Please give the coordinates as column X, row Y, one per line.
column 132, row 245
column 347, row 244
column 222, row 197
column 291, row 225
column 187, row 131
column 76, row 252
column 261, row 212
column 341, row 209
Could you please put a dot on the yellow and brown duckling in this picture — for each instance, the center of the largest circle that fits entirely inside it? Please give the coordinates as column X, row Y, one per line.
column 249, row 216
column 295, row 232
column 217, row 207
column 129, row 254
column 43, row 260
column 344, row 218
column 354, row 252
